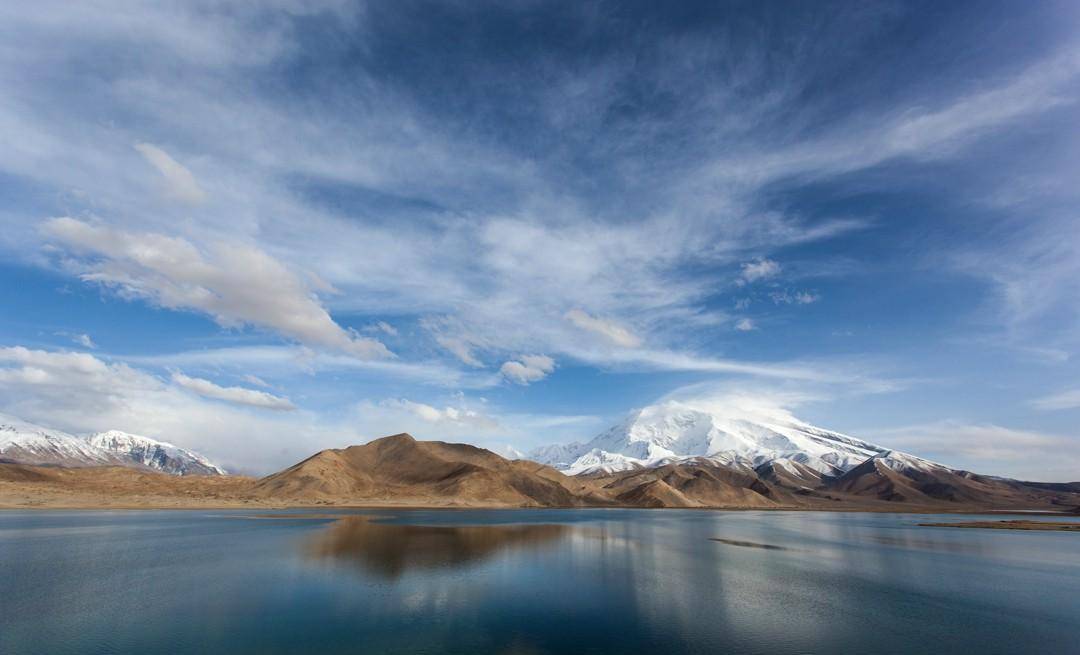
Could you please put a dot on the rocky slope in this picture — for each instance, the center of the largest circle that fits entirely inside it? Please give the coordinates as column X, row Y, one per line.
column 157, row 455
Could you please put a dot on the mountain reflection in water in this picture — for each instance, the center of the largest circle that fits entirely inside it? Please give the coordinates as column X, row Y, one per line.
column 391, row 549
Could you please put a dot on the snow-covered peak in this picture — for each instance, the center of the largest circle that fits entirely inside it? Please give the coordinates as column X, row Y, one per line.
column 28, row 443
column 507, row 451
column 903, row 462
column 557, row 455
column 154, row 454
column 601, row 461
column 730, row 433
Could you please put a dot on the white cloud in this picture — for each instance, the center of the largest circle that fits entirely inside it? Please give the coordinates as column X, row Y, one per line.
column 914, row 131
column 461, row 419
column 236, row 284
column 284, row 360
column 668, row 360
column 385, row 327
column 256, row 380
column 1034, row 270
column 745, row 325
column 41, row 365
column 458, row 416
column 759, row 270
column 794, row 297
column 1069, row 399
column 614, row 332
column 238, row 395
column 460, row 348
column 181, row 184
column 528, row 369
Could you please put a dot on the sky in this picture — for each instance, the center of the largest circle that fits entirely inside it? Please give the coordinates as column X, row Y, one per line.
column 262, row 229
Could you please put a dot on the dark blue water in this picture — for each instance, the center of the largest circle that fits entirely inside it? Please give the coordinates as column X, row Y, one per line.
column 537, row 581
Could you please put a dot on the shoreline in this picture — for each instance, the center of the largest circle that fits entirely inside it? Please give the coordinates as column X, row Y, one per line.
column 419, row 507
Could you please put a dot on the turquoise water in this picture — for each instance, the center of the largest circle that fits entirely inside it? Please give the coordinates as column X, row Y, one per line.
column 530, row 581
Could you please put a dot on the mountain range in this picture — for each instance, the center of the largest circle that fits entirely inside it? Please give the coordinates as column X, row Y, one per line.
column 26, row 443
column 667, row 455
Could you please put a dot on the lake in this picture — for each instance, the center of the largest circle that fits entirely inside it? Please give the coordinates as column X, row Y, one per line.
column 530, row 581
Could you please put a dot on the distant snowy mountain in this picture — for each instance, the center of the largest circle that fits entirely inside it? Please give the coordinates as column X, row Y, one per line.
column 727, row 434
column 507, row 451
column 27, row 443
column 560, row 456
column 157, row 455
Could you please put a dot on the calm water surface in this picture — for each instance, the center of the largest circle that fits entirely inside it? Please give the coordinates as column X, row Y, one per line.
column 536, row 581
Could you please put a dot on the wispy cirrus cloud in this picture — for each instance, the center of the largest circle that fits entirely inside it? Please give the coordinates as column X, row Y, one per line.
column 238, row 395
column 638, row 185
column 180, row 183
column 1068, row 399
column 788, row 297
column 607, row 328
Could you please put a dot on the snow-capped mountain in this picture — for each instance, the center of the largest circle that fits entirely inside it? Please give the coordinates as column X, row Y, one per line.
column 507, row 451
column 726, row 433
column 154, row 454
column 27, row 443
column 560, row 456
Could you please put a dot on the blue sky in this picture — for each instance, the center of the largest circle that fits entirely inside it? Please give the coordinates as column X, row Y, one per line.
column 262, row 231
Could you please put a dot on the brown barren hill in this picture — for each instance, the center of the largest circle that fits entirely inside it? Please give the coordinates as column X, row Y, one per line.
column 400, row 468
column 696, row 484
column 898, row 481
column 23, row 485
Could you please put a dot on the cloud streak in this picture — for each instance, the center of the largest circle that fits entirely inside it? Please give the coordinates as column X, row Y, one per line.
column 181, row 184
column 238, row 395
column 1069, row 399
column 609, row 329
column 235, row 284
